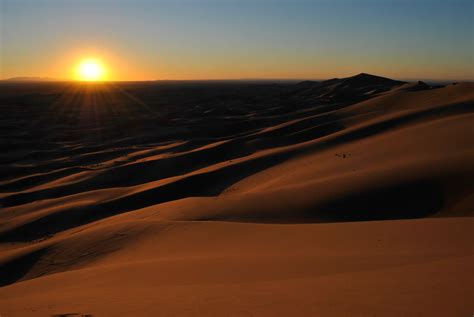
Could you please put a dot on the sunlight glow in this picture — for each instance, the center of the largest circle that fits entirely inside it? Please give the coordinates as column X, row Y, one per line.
column 90, row 70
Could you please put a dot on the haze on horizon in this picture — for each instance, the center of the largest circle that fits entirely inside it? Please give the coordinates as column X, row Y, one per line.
column 231, row 39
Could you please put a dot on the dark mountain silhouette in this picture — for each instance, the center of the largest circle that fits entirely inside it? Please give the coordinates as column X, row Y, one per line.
column 350, row 89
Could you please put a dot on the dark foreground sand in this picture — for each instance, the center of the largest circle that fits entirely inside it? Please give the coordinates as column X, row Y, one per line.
column 350, row 197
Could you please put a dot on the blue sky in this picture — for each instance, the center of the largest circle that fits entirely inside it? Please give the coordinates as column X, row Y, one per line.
column 239, row 39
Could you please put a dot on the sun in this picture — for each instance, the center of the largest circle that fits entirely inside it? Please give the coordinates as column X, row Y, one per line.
column 90, row 69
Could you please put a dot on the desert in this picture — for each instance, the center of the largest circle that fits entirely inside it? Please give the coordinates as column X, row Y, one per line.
column 343, row 197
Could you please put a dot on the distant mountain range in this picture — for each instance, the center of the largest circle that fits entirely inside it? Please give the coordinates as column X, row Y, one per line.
column 30, row 79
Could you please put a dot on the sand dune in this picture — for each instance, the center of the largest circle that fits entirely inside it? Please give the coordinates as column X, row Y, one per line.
column 350, row 196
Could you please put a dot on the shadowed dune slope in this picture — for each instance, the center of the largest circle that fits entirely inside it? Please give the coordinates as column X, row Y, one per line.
column 196, row 190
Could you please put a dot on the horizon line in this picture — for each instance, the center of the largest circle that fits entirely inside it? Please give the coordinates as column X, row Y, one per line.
column 289, row 79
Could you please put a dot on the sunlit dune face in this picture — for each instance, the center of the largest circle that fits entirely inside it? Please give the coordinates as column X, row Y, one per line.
column 90, row 70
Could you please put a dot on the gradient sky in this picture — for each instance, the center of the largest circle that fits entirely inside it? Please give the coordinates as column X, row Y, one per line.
column 230, row 39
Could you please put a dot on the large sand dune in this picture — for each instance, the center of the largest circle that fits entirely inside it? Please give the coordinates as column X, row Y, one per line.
column 347, row 197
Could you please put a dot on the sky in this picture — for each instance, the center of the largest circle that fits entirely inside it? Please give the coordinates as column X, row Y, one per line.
column 239, row 39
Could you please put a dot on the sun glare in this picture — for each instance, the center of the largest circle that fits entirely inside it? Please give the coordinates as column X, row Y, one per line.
column 90, row 70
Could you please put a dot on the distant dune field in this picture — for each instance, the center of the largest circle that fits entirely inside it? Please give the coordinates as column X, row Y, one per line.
column 346, row 197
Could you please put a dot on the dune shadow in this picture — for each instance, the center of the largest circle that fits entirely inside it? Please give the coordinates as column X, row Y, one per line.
column 13, row 270
column 401, row 201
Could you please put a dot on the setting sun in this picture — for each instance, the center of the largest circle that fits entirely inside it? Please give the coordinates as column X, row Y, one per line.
column 90, row 70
